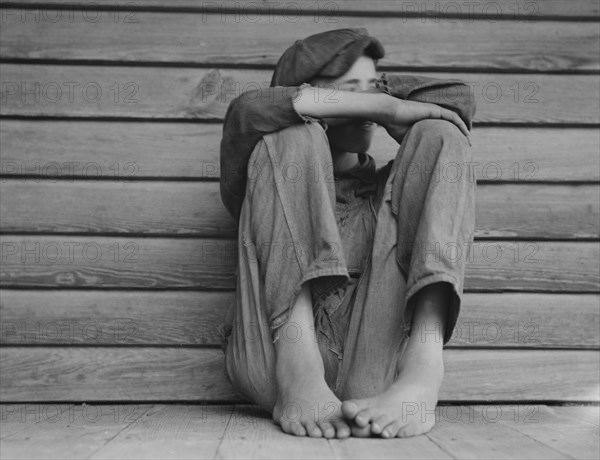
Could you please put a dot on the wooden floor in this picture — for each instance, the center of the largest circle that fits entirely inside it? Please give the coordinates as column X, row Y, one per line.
column 40, row 431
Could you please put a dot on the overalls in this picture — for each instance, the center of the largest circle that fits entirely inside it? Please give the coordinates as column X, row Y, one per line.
column 366, row 240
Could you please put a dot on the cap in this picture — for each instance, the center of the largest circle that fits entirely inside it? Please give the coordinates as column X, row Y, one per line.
column 327, row 54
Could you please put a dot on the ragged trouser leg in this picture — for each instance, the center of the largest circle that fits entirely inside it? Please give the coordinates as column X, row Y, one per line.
column 362, row 325
column 287, row 236
column 425, row 224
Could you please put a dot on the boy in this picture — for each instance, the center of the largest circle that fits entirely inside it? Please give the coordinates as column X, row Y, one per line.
column 348, row 281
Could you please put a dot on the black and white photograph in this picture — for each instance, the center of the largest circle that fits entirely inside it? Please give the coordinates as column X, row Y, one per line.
column 304, row 229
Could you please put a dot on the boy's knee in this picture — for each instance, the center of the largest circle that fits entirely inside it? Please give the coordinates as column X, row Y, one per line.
column 436, row 128
column 301, row 140
column 438, row 133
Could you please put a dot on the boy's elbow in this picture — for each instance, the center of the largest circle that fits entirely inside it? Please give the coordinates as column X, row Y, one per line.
column 467, row 105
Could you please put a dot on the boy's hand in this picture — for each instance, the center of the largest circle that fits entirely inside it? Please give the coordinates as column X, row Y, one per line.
column 406, row 113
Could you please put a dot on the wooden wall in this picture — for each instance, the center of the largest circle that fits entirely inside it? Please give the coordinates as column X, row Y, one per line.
column 118, row 256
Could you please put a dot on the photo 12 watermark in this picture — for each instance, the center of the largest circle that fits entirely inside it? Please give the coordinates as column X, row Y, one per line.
column 118, row 12
column 68, row 332
column 68, row 252
column 55, row 171
column 69, row 92
column 67, row 414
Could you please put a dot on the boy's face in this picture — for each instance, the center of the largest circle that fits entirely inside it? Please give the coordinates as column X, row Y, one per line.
column 346, row 134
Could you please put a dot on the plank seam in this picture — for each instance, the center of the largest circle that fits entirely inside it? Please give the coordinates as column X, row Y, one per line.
column 215, row 290
column 4, row 178
column 121, row 119
column 224, row 9
column 248, row 66
column 218, row 402
column 120, row 431
column 200, row 236
column 537, row 441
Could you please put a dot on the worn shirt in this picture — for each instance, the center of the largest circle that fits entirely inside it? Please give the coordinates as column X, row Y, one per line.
column 257, row 112
column 355, row 190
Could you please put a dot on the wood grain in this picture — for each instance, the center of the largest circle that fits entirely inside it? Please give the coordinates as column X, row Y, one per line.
column 204, row 94
column 191, row 263
column 251, row 434
column 128, row 151
column 175, row 374
column 242, row 39
column 244, row 431
column 195, row 208
column 47, row 429
column 573, row 438
column 489, row 437
column 486, row 9
column 171, row 431
column 47, row 317
column 587, row 414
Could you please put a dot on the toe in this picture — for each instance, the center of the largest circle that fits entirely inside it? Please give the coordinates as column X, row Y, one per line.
column 379, row 423
column 312, row 429
column 297, row 429
column 327, row 429
column 285, row 425
column 342, row 430
column 406, row 432
column 361, row 432
column 392, row 429
column 414, row 430
column 363, row 418
column 351, row 407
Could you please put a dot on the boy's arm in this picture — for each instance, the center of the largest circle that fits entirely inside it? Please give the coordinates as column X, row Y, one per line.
column 256, row 113
column 451, row 94
column 396, row 115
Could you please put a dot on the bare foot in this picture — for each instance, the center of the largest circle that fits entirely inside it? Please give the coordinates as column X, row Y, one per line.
column 405, row 409
column 307, row 407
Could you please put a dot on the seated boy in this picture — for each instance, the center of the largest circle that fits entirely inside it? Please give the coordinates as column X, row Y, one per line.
column 350, row 277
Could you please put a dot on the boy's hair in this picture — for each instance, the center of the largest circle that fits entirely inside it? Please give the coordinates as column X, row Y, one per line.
column 325, row 55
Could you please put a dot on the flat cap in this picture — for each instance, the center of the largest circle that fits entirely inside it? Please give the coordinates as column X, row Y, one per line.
column 327, row 54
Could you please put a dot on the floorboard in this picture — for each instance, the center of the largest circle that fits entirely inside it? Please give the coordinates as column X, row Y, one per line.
column 171, row 431
column 185, row 431
column 58, row 431
column 566, row 435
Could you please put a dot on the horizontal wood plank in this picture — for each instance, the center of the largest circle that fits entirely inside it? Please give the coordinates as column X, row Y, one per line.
column 587, row 414
column 241, row 39
column 574, row 438
column 486, row 9
column 142, row 431
column 46, row 317
column 195, row 208
column 191, row 263
column 204, row 94
column 170, row 431
column 251, row 434
column 133, row 150
column 512, row 432
column 149, row 374
column 46, row 429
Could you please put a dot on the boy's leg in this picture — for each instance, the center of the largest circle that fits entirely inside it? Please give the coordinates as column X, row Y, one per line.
column 305, row 403
column 424, row 225
column 286, row 234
